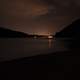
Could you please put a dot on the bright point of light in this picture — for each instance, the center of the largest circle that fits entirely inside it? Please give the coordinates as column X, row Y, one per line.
column 50, row 37
column 35, row 37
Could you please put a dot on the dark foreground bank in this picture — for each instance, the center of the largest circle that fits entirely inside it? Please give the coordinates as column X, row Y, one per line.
column 55, row 66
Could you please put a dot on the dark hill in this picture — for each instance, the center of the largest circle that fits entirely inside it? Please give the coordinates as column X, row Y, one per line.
column 10, row 33
column 73, row 30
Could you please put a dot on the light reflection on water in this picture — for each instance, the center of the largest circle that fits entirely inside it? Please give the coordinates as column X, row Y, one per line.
column 50, row 42
column 24, row 47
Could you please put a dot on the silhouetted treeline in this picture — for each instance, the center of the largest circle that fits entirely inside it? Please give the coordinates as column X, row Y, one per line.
column 73, row 30
column 10, row 33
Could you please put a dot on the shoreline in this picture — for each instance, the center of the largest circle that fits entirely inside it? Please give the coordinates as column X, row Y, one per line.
column 45, row 57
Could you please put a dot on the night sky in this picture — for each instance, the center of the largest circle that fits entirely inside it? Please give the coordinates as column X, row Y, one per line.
column 38, row 16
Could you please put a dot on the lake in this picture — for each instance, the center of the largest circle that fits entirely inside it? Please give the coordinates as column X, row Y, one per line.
column 14, row 48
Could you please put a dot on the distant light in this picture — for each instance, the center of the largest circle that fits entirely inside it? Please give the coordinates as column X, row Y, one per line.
column 50, row 37
column 35, row 37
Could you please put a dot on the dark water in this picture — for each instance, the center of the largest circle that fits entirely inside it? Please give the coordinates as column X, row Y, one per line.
column 12, row 48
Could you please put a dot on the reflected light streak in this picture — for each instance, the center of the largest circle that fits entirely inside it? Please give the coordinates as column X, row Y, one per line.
column 50, row 42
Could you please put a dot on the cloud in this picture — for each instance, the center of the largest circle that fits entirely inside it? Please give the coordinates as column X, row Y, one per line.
column 49, row 15
column 24, row 8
